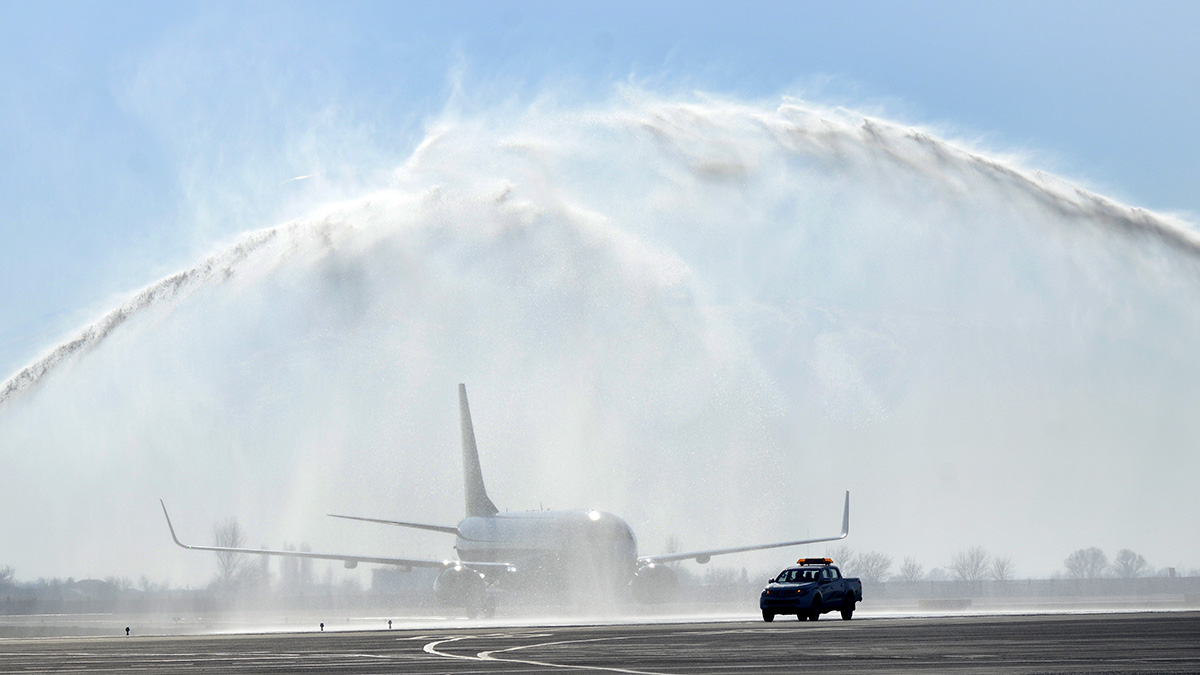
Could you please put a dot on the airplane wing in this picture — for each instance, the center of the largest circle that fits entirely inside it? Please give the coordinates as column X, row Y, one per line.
column 400, row 523
column 705, row 556
column 350, row 561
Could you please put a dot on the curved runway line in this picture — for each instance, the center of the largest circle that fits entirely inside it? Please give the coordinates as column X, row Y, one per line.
column 488, row 656
column 432, row 649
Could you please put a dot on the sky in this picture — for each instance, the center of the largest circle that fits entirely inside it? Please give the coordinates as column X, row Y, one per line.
column 119, row 121
column 137, row 138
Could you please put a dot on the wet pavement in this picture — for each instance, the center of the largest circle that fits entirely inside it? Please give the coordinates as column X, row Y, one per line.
column 1162, row 642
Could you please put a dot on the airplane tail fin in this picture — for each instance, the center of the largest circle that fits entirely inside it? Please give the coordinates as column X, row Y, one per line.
column 478, row 503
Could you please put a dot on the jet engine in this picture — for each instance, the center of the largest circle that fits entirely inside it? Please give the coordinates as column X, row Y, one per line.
column 654, row 584
column 460, row 586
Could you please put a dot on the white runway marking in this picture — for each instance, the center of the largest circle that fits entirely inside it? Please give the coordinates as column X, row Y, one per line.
column 491, row 655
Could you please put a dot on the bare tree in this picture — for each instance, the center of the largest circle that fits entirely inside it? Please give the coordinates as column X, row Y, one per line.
column 148, row 586
column 1129, row 565
column 970, row 565
column 911, row 570
column 254, row 575
column 289, row 570
column 7, row 575
column 672, row 544
column 229, row 534
column 1086, row 563
column 307, row 579
column 118, row 583
column 257, row 574
column 873, row 566
column 720, row 576
column 1002, row 568
column 844, row 557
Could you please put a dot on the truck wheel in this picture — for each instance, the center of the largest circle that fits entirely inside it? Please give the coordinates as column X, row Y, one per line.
column 768, row 616
column 814, row 613
column 848, row 608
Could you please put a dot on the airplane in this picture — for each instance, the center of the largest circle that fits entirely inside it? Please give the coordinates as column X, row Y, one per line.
column 580, row 556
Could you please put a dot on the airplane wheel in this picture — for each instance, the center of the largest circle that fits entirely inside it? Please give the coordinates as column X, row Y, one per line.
column 768, row 616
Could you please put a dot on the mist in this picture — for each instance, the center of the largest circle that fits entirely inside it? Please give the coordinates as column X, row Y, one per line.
column 709, row 316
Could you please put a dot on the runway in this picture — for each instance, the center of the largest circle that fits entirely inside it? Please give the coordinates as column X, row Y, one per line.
column 1166, row 642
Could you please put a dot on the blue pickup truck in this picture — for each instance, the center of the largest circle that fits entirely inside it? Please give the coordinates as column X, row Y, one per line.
column 808, row 589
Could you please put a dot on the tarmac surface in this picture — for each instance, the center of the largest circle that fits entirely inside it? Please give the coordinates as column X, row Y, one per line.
column 1162, row 642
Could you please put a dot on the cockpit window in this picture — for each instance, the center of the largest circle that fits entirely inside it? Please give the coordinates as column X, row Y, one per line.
column 797, row 576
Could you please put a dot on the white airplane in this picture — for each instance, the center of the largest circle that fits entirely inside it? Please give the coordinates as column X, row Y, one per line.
column 578, row 555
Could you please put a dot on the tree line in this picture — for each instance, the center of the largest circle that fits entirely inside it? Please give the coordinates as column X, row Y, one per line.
column 974, row 564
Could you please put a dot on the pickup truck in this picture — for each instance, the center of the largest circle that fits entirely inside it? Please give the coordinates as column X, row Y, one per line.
column 808, row 589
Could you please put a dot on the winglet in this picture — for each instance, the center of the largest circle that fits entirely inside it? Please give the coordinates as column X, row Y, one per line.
column 846, row 517
column 478, row 503
column 171, row 527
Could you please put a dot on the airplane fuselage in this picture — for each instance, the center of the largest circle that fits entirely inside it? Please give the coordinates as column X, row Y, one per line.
column 553, row 550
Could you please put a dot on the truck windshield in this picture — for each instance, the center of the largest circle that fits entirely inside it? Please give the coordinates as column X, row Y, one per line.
column 797, row 576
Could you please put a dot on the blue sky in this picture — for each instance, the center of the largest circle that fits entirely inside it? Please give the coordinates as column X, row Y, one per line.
column 136, row 136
